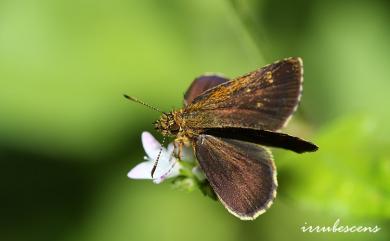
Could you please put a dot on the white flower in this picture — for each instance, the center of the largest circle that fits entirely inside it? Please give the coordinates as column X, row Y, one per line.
column 198, row 173
column 168, row 166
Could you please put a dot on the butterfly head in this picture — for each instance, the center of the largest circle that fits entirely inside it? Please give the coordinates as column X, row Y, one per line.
column 167, row 125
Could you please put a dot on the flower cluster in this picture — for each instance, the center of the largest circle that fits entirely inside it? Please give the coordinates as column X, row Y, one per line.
column 185, row 173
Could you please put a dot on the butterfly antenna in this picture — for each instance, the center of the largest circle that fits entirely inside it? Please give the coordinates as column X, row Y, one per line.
column 141, row 102
column 158, row 158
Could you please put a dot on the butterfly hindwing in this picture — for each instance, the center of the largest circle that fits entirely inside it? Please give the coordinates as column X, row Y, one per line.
column 263, row 99
column 200, row 85
column 263, row 137
column 242, row 174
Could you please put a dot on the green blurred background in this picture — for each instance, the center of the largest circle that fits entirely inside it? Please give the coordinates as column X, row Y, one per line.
column 68, row 137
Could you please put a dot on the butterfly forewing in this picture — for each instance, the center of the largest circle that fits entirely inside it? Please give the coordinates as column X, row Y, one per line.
column 242, row 174
column 263, row 99
column 200, row 85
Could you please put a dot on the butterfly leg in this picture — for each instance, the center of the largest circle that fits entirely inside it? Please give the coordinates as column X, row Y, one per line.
column 178, row 145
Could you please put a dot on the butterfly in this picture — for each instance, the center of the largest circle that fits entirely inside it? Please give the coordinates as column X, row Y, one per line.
column 230, row 123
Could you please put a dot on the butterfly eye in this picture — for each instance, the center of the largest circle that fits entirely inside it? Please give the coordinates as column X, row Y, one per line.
column 174, row 130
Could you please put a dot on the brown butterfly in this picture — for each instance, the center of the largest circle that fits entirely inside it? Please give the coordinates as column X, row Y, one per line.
column 228, row 123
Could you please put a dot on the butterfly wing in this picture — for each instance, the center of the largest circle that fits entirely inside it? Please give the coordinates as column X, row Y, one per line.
column 242, row 174
column 263, row 99
column 200, row 85
column 263, row 137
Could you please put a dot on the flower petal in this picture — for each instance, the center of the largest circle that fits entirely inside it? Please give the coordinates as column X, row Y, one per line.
column 150, row 144
column 141, row 171
column 170, row 147
column 175, row 171
column 164, row 164
column 187, row 154
column 168, row 166
column 171, row 172
column 198, row 173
